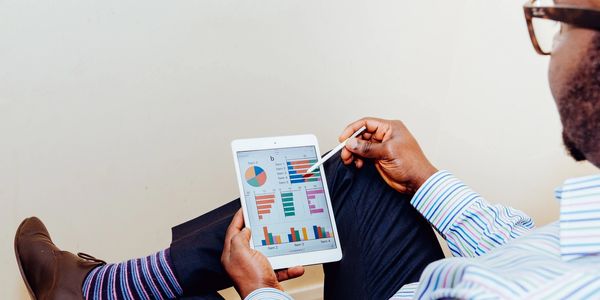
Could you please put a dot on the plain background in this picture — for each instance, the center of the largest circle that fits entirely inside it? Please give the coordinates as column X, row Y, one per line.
column 116, row 116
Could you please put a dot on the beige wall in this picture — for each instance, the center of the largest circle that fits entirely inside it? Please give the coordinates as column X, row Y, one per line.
column 116, row 116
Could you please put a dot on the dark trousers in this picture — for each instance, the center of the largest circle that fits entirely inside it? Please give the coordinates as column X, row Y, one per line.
column 385, row 242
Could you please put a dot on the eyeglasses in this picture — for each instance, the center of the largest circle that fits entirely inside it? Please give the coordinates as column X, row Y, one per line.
column 545, row 18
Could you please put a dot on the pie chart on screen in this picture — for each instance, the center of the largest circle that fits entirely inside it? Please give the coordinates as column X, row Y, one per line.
column 256, row 176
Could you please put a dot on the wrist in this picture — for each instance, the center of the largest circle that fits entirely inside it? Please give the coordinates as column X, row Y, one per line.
column 268, row 293
column 246, row 290
column 422, row 176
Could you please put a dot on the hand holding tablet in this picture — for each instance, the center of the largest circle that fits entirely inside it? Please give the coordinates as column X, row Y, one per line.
column 249, row 269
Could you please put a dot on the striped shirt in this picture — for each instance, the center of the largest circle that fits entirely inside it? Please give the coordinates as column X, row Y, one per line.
column 497, row 252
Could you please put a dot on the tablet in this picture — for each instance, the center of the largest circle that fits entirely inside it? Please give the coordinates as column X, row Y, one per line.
column 287, row 210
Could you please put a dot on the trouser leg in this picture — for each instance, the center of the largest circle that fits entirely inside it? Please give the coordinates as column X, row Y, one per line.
column 386, row 242
column 196, row 251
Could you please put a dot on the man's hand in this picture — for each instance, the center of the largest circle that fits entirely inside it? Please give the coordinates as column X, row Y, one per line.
column 249, row 269
column 393, row 149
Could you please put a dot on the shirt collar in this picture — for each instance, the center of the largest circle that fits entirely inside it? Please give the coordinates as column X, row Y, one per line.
column 579, row 217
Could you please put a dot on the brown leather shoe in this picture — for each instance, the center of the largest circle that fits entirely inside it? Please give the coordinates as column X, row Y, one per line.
column 49, row 273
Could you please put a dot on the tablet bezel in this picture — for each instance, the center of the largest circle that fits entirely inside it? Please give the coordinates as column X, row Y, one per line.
column 268, row 143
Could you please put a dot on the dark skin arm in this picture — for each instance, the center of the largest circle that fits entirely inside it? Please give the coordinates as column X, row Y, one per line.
column 249, row 269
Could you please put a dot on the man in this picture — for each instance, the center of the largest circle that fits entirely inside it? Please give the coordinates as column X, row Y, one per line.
column 502, row 256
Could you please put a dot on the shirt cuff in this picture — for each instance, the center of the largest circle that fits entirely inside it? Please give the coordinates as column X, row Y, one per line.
column 442, row 198
column 268, row 294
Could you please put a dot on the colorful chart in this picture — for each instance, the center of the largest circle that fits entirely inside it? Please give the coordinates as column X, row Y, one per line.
column 264, row 203
column 270, row 239
column 299, row 235
column 311, row 195
column 287, row 201
column 321, row 233
column 297, row 171
column 294, row 235
column 256, row 176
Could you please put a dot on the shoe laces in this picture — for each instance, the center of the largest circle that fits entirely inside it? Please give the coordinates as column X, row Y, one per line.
column 90, row 258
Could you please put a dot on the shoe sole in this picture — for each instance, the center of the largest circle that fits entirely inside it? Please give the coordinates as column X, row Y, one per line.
column 33, row 297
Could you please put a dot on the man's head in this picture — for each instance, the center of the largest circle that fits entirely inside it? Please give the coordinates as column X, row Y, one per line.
column 574, row 76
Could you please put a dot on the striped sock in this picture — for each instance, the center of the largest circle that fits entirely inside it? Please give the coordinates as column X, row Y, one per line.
column 150, row 277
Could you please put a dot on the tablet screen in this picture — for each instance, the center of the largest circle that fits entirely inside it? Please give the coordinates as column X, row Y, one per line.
column 287, row 208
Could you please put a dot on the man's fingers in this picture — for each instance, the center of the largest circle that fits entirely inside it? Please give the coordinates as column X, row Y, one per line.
column 373, row 125
column 366, row 135
column 241, row 240
column 366, row 149
column 358, row 163
column 346, row 156
column 237, row 223
column 290, row 273
column 368, row 144
column 238, row 220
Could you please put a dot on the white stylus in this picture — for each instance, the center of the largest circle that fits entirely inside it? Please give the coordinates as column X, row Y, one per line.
column 334, row 151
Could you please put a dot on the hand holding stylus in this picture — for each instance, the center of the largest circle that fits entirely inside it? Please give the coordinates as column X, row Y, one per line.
column 392, row 148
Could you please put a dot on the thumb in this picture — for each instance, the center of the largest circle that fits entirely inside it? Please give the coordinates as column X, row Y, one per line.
column 245, row 233
column 366, row 149
column 242, row 239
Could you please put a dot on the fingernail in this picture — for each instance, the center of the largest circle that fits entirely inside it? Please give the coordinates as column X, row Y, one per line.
column 352, row 143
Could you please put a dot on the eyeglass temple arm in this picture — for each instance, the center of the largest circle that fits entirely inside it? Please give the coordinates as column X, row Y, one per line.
column 580, row 17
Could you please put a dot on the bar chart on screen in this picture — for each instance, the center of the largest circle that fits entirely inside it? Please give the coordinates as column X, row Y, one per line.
column 287, row 201
column 295, row 235
column 297, row 170
column 270, row 238
column 264, row 204
column 316, row 200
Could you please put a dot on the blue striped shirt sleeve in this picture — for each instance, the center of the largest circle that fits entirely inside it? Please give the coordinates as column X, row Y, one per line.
column 268, row 294
column 469, row 224
column 579, row 217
